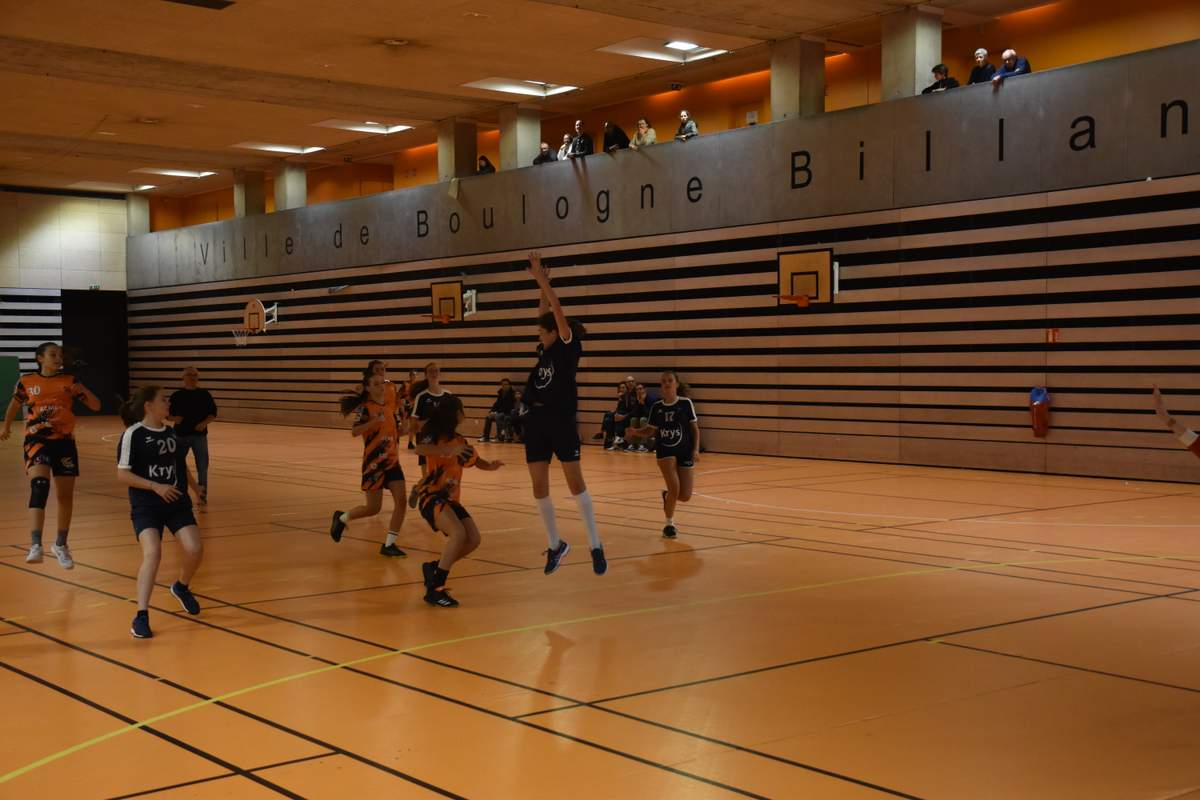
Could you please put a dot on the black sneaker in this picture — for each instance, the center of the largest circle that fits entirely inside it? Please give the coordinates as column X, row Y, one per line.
column 599, row 435
column 392, row 550
column 485, row 439
column 412, row 496
column 185, row 597
column 669, row 532
column 428, row 570
column 555, row 557
column 141, row 626
column 440, row 597
column 599, row 562
column 336, row 527
column 609, row 446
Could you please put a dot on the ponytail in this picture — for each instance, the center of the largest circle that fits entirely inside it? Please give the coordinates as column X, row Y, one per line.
column 134, row 409
column 353, row 400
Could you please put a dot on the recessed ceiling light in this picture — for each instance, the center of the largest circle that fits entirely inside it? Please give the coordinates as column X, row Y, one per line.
column 679, row 52
column 362, row 127
column 101, row 186
column 291, row 149
column 149, row 120
column 174, row 173
column 144, row 187
column 678, row 45
column 395, row 42
column 194, row 105
column 476, row 15
column 105, row 133
column 514, row 86
column 370, row 122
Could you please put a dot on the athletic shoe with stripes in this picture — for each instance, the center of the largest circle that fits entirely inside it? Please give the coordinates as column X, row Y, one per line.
column 336, row 527
column 63, row 553
column 392, row 550
column 599, row 562
column 554, row 557
column 35, row 554
column 141, row 626
column 185, row 597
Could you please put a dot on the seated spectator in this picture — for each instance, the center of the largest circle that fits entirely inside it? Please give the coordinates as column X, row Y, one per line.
column 500, row 413
column 1012, row 66
column 687, row 127
column 612, row 427
column 516, row 422
column 639, row 415
column 941, row 80
column 983, row 71
column 545, row 155
column 486, row 167
column 644, row 135
column 581, row 144
column 566, row 145
column 614, row 138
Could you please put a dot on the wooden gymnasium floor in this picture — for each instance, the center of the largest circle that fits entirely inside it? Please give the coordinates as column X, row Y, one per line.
column 820, row 630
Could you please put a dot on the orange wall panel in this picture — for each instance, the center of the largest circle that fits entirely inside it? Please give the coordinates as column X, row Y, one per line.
column 343, row 181
column 415, row 166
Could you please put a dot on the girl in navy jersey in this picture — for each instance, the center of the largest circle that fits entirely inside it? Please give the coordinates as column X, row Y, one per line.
column 550, row 427
column 151, row 463
column 427, row 396
column 674, row 421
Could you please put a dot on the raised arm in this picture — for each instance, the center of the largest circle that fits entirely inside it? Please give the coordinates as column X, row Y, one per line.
column 542, row 275
column 1176, row 427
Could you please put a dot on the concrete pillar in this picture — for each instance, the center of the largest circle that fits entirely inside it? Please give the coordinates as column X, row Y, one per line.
column 912, row 45
column 797, row 78
column 249, row 194
column 291, row 186
column 455, row 148
column 520, row 136
column 137, row 214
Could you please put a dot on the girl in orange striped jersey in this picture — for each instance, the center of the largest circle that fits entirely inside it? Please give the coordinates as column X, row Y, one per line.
column 447, row 454
column 49, row 448
column 377, row 420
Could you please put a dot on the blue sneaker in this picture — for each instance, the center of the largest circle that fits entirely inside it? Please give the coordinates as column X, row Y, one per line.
column 141, row 626
column 185, row 597
column 599, row 562
column 554, row 557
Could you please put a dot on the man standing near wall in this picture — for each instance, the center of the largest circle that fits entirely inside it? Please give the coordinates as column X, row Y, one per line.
column 192, row 408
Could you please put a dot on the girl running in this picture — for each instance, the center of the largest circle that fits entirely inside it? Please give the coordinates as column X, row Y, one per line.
column 427, row 396
column 377, row 420
column 152, row 464
column 49, row 448
column 678, row 449
column 447, row 454
column 550, row 427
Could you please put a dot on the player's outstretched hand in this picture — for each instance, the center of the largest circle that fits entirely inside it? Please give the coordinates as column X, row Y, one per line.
column 539, row 271
column 4, row 434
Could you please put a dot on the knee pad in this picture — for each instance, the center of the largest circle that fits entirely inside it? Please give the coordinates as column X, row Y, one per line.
column 39, row 492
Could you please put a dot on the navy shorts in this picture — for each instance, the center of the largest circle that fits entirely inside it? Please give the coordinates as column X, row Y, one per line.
column 682, row 455
column 60, row 455
column 429, row 510
column 174, row 517
column 547, row 435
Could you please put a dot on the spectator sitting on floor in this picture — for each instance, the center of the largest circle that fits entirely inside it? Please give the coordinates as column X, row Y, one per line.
column 500, row 413
column 687, row 127
column 639, row 415
column 612, row 427
column 1012, row 66
column 545, row 155
column 614, row 137
column 644, row 135
column 486, row 167
column 941, row 80
column 516, row 422
column 983, row 71
column 581, row 144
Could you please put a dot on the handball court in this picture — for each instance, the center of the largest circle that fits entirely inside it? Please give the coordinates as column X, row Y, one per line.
column 820, row 629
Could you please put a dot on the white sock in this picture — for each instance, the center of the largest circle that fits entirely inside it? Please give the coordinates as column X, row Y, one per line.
column 345, row 518
column 546, row 506
column 671, row 522
column 391, row 538
column 584, row 501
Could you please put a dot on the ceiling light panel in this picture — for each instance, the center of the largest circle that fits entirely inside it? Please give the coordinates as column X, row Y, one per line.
column 290, row 149
column 678, row 51
column 174, row 173
column 515, row 86
column 684, row 46
column 364, row 126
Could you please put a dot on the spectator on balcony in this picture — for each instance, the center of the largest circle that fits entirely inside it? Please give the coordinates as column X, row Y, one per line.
column 500, row 413
column 566, row 145
column 983, row 71
column 614, row 137
column 581, row 144
column 486, row 167
column 687, row 127
column 545, row 155
column 644, row 135
column 1012, row 66
column 941, row 80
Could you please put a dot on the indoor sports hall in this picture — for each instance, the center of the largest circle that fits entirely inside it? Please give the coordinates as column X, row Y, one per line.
column 600, row 399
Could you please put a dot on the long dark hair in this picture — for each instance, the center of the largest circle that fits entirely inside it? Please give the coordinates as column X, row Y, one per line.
column 134, row 409
column 684, row 390
column 548, row 322
column 41, row 351
column 349, row 402
column 443, row 421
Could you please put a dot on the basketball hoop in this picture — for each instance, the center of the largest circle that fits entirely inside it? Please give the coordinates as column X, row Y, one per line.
column 442, row 318
column 240, row 336
column 798, row 300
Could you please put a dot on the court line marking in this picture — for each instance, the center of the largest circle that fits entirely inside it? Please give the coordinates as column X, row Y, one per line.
column 49, row 759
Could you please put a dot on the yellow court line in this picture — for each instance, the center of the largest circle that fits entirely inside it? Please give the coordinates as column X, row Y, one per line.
column 544, row 625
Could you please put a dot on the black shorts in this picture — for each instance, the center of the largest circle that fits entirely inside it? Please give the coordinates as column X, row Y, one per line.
column 382, row 478
column 431, row 509
column 174, row 517
column 547, row 435
column 682, row 455
column 60, row 455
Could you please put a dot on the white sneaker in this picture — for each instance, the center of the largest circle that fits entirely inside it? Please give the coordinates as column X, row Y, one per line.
column 63, row 554
column 35, row 555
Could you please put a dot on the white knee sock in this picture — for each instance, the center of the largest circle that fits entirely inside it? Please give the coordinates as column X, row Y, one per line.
column 546, row 506
column 584, row 501
column 391, row 538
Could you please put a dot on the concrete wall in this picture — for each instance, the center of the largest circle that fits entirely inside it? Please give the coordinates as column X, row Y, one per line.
column 55, row 242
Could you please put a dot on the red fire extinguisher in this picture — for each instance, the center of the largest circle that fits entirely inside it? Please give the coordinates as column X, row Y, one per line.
column 1039, row 411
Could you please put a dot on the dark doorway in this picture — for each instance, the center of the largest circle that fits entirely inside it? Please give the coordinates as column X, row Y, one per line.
column 96, row 344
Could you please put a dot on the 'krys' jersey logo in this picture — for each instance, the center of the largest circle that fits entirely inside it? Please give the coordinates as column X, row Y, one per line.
column 671, row 437
column 544, row 376
column 164, row 473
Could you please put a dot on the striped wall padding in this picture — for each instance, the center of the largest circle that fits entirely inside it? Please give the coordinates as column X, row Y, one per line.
column 29, row 317
column 926, row 357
